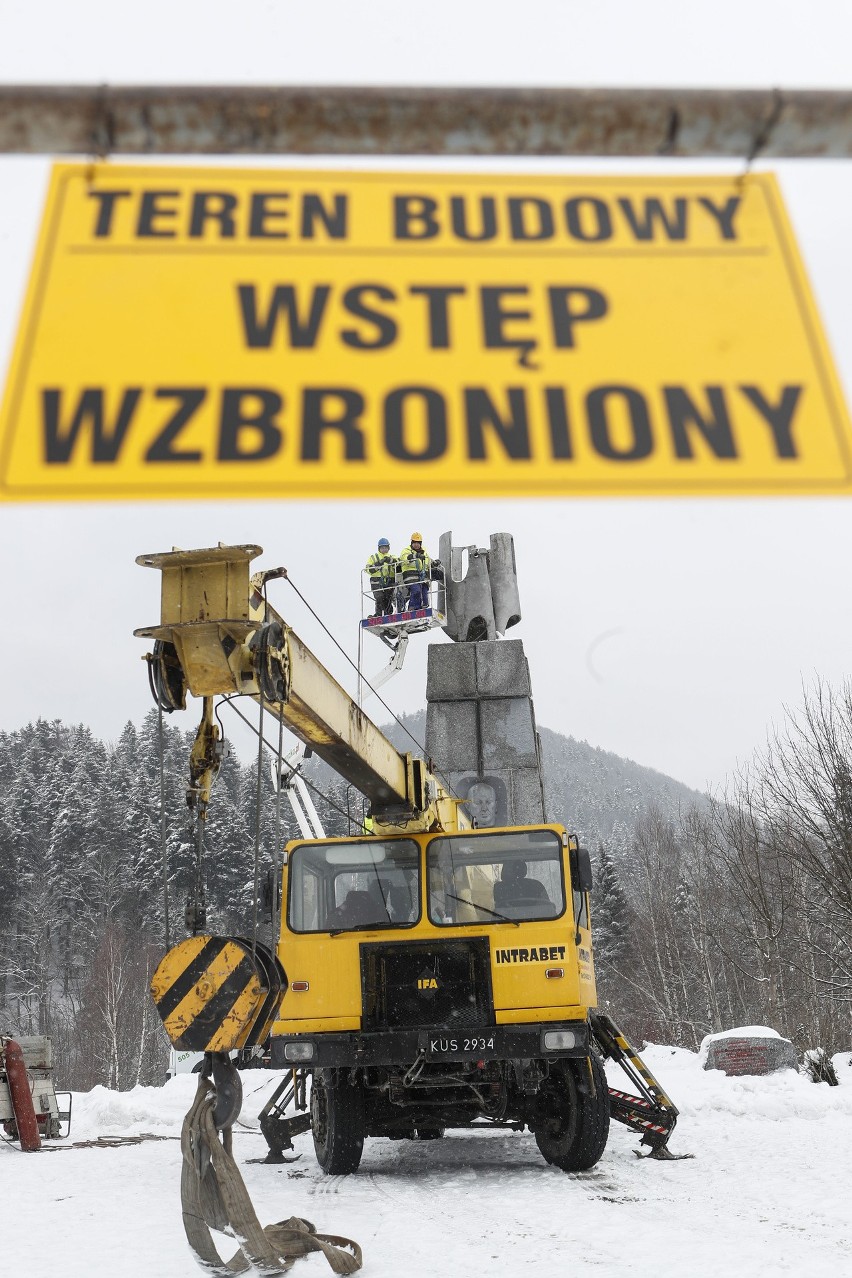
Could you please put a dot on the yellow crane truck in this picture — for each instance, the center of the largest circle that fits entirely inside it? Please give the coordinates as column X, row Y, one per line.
column 427, row 975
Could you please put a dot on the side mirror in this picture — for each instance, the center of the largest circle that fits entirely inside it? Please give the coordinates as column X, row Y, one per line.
column 581, row 870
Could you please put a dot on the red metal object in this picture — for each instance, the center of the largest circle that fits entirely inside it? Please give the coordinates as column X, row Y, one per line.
column 22, row 1101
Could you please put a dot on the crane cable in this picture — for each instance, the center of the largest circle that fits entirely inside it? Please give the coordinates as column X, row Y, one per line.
column 375, row 693
column 261, row 742
column 257, row 811
column 229, row 701
column 258, row 799
column 198, row 886
column 196, row 837
column 276, row 853
column 164, row 851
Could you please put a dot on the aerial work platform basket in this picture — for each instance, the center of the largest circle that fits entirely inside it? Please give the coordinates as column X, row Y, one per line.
column 391, row 626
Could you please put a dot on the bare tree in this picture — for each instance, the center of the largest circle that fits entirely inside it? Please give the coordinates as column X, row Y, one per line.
column 805, row 785
column 123, row 1033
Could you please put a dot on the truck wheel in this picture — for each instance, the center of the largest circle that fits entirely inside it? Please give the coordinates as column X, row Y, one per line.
column 574, row 1126
column 337, row 1120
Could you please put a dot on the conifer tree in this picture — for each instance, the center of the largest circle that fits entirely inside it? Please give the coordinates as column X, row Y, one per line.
column 610, row 917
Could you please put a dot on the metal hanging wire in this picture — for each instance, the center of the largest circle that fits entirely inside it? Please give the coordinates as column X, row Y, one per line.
column 196, row 908
column 257, row 813
column 258, row 795
column 363, row 679
column 229, row 701
column 164, row 852
column 276, row 854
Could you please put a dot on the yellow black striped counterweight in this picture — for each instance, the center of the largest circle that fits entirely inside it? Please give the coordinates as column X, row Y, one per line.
column 217, row 993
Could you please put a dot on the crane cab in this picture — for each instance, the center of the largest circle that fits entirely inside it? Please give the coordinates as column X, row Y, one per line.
column 459, row 945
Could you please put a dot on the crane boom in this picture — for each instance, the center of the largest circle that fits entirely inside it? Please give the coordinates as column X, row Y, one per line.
column 218, row 634
column 324, row 716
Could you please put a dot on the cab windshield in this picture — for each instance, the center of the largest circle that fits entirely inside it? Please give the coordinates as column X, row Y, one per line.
column 495, row 878
column 342, row 887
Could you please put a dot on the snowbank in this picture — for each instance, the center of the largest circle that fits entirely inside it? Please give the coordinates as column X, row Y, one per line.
column 766, row 1192
column 696, row 1092
column 158, row 1110
column 777, row 1096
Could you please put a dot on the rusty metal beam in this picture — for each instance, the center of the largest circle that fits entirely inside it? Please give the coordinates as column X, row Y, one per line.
column 242, row 120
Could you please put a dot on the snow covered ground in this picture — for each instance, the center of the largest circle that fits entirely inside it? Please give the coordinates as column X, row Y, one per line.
column 768, row 1191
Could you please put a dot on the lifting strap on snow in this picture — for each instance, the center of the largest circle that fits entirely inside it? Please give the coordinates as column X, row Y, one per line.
column 107, row 1142
column 214, row 1196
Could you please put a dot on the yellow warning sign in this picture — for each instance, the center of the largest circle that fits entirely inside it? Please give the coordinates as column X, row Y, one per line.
column 203, row 332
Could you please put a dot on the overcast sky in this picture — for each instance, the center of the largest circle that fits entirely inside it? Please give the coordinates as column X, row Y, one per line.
column 671, row 631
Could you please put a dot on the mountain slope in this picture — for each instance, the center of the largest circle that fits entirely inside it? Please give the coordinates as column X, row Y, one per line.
column 591, row 791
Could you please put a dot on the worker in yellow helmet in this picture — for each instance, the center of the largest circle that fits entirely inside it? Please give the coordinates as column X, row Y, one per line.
column 416, row 568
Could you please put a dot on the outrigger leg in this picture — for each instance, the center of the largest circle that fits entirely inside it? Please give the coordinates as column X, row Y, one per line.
column 278, row 1130
column 651, row 1112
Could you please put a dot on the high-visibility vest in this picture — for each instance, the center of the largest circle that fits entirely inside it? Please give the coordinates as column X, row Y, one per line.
column 382, row 569
column 414, row 565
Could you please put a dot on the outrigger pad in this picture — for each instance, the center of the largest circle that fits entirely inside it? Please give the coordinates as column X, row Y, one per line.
column 663, row 1153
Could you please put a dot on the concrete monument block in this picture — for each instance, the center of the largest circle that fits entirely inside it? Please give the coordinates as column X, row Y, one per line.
column 527, row 797
column 507, row 733
column 502, row 670
column 451, row 672
column 499, row 796
column 480, row 723
column 452, row 735
column 470, row 608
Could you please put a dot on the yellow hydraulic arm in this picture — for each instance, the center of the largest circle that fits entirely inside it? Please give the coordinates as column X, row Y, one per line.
column 218, row 635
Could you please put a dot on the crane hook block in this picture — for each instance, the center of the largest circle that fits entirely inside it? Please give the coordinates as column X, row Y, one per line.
column 218, row 993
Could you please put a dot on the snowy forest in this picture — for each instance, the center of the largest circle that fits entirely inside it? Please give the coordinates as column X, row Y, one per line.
column 707, row 913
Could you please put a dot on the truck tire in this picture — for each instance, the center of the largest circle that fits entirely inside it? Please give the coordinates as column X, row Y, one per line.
column 337, row 1122
column 574, row 1127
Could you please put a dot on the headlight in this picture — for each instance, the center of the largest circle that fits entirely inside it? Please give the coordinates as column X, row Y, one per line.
column 298, row 1051
column 558, row 1040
